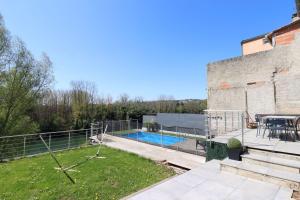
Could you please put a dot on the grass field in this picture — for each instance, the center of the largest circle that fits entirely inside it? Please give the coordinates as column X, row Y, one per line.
column 116, row 176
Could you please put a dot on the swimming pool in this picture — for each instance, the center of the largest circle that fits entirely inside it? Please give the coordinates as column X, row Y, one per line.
column 154, row 138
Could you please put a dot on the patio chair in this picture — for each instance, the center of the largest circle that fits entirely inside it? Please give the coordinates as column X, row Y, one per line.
column 266, row 125
column 259, row 123
column 201, row 143
column 276, row 126
column 292, row 128
column 297, row 125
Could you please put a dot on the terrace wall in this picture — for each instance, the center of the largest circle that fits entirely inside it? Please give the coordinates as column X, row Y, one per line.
column 264, row 82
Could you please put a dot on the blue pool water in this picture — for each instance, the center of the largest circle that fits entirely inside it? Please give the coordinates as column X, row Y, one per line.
column 155, row 138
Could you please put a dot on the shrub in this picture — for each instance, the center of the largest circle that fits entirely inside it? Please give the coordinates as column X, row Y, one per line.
column 234, row 143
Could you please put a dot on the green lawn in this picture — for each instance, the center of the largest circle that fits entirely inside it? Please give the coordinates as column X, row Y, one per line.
column 116, row 176
column 123, row 132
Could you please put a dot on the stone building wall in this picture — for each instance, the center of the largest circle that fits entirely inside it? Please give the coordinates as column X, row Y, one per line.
column 264, row 82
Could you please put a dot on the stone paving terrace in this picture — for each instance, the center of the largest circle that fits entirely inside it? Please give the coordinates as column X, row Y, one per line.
column 185, row 160
column 208, row 182
column 250, row 140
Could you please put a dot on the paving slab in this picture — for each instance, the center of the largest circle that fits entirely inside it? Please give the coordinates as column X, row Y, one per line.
column 155, row 153
column 207, row 182
column 208, row 190
column 273, row 159
column 284, row 175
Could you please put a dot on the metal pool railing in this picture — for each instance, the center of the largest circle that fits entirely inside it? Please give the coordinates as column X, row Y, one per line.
column 222, row 122
column 191, row 140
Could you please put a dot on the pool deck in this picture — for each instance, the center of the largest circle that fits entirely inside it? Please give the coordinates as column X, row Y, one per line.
column 155, row 153
column 208, row 182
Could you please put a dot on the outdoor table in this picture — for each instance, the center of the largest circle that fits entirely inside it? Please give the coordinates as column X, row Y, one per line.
column 287, row 118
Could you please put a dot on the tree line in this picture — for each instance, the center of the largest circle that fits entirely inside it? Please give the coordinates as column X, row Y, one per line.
column 28, row 104
column 80, row 106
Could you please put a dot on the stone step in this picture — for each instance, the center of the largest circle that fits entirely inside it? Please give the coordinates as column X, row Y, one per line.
column 267, row 174
column 274, row 154
column 272, row 162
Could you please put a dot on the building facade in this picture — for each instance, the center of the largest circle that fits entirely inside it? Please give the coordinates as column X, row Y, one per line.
column 265, row 79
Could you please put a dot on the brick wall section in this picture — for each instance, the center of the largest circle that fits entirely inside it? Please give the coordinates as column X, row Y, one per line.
column 286, row 36
column 282, row 37
column 273, row 76
column 255, row 46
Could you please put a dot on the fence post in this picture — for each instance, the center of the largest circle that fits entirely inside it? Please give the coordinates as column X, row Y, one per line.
column 161, row 134
column 209, row 128
column 238, row 120
column 217, row 124
column 69, row 141
column 225, row 121
column 232, row 120
column 112, row 127
column 24, row 146
column 243, row 129
column 50, row 141
column 86, row 137
column 176, row 130
column 91, row 134
column 137, row 124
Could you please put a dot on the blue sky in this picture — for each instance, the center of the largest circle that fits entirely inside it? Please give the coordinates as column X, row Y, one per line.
column 140, row 47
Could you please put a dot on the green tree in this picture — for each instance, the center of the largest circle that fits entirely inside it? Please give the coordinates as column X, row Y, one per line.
column 23, row 79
